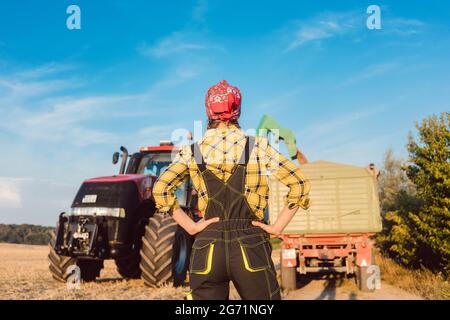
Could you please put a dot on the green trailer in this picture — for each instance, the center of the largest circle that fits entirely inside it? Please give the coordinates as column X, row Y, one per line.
column 335, row 233
column 344, row 199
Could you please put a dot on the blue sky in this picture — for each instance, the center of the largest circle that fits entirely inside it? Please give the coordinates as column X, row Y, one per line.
column 136, row 72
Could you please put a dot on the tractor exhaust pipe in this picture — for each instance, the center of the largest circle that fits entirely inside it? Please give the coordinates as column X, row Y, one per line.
column 124, row 159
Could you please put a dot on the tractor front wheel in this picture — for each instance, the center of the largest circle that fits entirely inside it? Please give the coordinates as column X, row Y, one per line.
column 90, row 269
column 128, row 267
column 156, row 251
column 59, row 265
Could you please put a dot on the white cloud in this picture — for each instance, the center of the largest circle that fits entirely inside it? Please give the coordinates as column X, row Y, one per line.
column 403, row 27
column 371, row 71
column 154, row 134
column 320, row 27
column 331, row 126
column 177, row 42
column 10, row 196
column 159, row 131
column 193, row 37
column 50, row 68
column 329, row 25
column 35, row 82
column 281, row 101
column 307, row 34
column 61, row 120
column 32, row 107
column 179, row 74
column 25, row 89
column 353, row 150
column 34, row 200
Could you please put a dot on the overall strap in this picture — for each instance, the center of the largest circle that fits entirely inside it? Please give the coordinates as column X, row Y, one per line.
column 245, row 156
column 196, row 152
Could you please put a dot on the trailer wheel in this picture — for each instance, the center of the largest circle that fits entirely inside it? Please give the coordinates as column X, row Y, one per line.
column 90, row 269
column 361, row 279
column 288, row 276
column 156, row 252
column 128, row 267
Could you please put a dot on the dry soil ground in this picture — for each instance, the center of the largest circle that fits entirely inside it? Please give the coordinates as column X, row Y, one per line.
column 24, row 275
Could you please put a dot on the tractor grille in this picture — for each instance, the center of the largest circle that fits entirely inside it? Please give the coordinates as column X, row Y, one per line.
column 109, row 194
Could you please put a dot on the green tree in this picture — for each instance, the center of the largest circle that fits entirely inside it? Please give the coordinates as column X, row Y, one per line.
column 397, row 200
column 429, row 170
column 415, row 198
column 393, row 180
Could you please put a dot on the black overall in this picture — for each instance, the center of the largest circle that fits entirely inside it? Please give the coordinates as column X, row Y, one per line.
column 232, row 249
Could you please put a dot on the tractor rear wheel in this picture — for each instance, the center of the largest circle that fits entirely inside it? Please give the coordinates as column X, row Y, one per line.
column 59, row 265
column 128, row 267
column 156, row 251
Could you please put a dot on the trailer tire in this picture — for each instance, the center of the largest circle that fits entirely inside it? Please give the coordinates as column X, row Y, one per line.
column 156, row 251
column 361, row 279
column 288, row 276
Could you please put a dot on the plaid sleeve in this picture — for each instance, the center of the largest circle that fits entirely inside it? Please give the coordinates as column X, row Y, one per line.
column 291, row 176
column 168, row 182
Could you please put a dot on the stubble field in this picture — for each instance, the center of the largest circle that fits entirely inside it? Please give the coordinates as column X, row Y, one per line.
column 24, row 275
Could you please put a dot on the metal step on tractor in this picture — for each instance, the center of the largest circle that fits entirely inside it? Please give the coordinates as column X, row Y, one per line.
column 114, row 217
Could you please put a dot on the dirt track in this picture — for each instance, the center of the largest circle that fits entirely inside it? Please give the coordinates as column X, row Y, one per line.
column 24, row 275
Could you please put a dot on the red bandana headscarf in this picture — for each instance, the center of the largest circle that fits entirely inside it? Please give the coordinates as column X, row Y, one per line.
column 223, row 102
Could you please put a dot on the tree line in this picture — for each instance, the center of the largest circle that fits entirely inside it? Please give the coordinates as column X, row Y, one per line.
column 25, row 234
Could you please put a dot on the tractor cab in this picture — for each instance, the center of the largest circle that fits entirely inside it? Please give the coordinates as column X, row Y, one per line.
column 153, row 161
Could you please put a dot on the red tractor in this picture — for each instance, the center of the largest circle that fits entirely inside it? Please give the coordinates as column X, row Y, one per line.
column 114, row 217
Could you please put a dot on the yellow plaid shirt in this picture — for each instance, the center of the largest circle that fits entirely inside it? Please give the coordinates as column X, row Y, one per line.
column 222, row 149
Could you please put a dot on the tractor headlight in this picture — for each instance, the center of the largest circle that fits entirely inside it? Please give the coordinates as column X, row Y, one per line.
column 98, row 211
